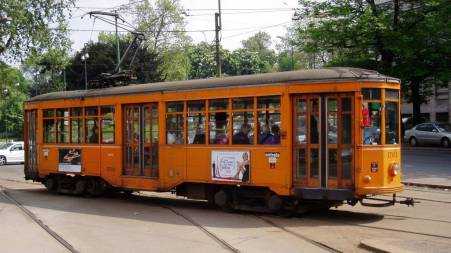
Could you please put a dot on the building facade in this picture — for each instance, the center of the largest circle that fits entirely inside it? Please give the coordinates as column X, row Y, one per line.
column 437, row 109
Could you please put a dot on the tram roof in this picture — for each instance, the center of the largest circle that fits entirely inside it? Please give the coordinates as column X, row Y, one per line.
column 313, row 75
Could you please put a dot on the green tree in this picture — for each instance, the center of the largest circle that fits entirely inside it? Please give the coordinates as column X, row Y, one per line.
column 260, row 43
column 102, row 60
column 405, row 39
column 32, row 26
column 163, row 25
column 244, row 62
column 202, row 61
column 13, row 94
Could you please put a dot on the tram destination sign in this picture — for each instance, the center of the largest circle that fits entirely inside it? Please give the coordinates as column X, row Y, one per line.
column 69, row 160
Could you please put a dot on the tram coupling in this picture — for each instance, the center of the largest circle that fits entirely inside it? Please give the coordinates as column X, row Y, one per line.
column 387, row 202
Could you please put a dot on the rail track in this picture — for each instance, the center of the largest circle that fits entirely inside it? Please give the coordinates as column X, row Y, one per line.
column 39, row 222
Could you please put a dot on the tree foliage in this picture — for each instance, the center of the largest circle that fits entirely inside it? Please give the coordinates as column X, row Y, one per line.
column 26, row 27
column 12, row 96
column 260, row 43
column 102, row 59
column 405, row 39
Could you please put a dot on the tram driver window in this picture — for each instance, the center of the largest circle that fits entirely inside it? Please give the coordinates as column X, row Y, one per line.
column 371, row 117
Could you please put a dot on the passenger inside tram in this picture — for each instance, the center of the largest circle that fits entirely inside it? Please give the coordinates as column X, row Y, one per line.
column 242, row 137
column 270, row 136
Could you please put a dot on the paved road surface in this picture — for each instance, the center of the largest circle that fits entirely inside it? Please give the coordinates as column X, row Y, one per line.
column 162, row 223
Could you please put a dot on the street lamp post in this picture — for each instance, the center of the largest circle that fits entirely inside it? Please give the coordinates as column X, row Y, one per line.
column 84, row 58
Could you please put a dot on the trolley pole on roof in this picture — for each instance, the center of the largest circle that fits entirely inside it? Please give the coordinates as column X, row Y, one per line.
column 218, row 27
column 116, row 17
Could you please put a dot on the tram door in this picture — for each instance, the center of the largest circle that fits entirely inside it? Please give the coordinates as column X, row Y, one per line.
column 323, row 141
column 141, row 140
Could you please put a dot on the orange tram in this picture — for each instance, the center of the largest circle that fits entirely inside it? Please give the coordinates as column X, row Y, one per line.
column 279, row 141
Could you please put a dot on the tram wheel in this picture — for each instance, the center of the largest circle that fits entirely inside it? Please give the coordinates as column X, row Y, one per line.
column 80, row 187
column 51, row 184
column 224, row 201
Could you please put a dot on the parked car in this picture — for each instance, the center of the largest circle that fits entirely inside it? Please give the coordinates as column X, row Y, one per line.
column 11, row 152
column 429, row 133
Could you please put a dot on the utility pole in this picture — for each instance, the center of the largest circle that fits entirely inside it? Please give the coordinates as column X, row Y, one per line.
column 218, row 27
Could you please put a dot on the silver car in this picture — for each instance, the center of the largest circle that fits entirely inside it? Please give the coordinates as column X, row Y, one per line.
column 429, row 133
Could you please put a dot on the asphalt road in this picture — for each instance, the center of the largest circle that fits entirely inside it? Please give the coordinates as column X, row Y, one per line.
column 149, row 222
column 426, row 163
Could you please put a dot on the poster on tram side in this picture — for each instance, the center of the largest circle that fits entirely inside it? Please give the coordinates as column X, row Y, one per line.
column 69, row 160
column 230, row 166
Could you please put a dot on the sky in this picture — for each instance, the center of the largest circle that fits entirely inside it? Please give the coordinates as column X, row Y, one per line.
column 240, row 19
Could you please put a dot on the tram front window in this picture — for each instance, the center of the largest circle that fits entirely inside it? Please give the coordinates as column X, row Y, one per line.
column 371, row 117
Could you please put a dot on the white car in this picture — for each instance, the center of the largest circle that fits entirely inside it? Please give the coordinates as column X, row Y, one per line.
column 11, row 152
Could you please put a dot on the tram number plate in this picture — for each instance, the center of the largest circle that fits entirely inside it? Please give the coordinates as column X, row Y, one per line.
column 272, row 158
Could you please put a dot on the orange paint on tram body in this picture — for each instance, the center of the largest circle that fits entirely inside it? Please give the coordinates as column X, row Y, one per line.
column 279, row 137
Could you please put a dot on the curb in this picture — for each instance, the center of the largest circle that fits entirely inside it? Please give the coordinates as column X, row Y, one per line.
column 435, row 149
column 435, row 186
column 380, row 246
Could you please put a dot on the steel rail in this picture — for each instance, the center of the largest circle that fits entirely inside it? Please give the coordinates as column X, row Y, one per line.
column 314, row 242
column 222, row 242
column 39, row 222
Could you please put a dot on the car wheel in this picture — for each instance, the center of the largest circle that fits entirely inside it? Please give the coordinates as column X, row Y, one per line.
column 413, row 142
column 445, row 142
column 2, row 160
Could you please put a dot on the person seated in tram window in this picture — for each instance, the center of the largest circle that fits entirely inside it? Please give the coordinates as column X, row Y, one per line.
column 199, row 138
column 94, row 137
column 271, row 138
column 242, row 137
column 174, row 137
column 221, row 128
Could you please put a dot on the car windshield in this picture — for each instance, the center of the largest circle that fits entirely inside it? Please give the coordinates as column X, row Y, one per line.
column 5, row 145
column 443, row 128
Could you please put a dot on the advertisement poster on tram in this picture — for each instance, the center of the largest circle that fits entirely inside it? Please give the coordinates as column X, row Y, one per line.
column 230, row 165
column 69, row 160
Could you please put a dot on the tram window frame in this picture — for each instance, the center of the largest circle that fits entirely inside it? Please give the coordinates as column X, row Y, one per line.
column 392, row 97
column 374, row 96
column 244, row 107
column 173, row 110
column 196, row 114
column 267, row 110
column 105, row 117
column 49, row 116
column 89, row 116
column 218, row 107
column 76, row 117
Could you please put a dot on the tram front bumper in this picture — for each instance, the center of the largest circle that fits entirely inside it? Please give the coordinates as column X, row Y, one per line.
column 363, row 191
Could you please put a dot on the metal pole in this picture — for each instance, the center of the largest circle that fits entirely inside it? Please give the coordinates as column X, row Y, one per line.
column 218, row 27
column 86, row 76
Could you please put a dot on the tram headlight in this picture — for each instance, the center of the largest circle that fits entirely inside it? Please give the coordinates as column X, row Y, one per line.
column 367, row 179
column 394, row 169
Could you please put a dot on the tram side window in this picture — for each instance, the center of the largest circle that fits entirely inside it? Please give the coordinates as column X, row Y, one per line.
column 107, row 123
column 92, row 124
column 243, row 120
column 62, row 125
column 196, row 122
column 218, row 121
column 391, row 117
column 76, row 125
column 174, row 123
column 49, row 131
column 371, row 116
column 268, row 120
